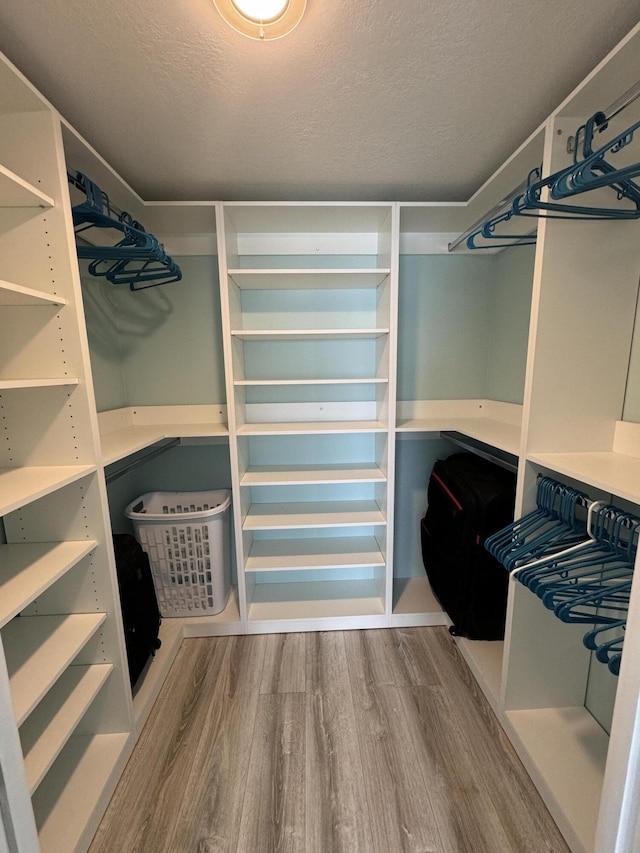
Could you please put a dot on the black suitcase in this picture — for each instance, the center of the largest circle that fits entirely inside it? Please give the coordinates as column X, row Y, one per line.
column 469, row 498
column 140, row 612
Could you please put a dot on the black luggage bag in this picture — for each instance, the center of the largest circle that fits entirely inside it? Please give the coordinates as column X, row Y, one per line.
column 469, row 498
column 140, row 612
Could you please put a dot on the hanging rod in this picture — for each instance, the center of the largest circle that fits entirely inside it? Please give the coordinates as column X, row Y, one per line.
column 623, row 102
column 495, row 210
column 632, row 94
column 155, row 450
column 501, row 457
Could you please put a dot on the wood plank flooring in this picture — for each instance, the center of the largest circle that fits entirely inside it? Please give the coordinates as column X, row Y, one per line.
column 336, row 742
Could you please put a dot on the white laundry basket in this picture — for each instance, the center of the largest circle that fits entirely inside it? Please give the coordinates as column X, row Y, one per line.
column 186, row 535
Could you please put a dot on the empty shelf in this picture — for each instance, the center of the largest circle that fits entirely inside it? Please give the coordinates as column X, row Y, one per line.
column 9, row 384
column 306, row 334
column 124, row 442
column 71, row 798
column 38, row 650
column 500, row 434
column 311, row 427
column 283, row 516
column 567, row 749
column 316, row 600
column 16, row 192
column 17, row 294
column 615, row 473
column 55, row 719
column 268, row 555
column 297, row 475
column 365, row 380
column 297, row 279
column 30, row 568
column 19, row 486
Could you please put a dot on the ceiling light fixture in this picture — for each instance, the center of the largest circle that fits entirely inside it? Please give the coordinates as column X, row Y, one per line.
column 262, row 19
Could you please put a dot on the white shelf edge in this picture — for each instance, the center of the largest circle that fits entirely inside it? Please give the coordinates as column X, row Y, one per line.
column 118, row 444
column 71, row 800
column 16, row 192
column 305, row 334
column 29, row 568
column 318, row 279
column 55, row 719
column 369, row 380
column 500, row 434
column 316, row 600
column 283, row 516
column 10, row 384
column 20, row 486
column 298, row 476
column 268, row 555
column 615, row 473
column 311, row 427
column 38, row 650
column 17, row 294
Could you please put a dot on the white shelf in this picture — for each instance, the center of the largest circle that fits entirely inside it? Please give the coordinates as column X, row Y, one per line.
column 123, row 442
column 289, row 516
column 70, row 801
column 346, row 552
column 314, row 279
column 311, row 427
column 50, row 726
column 148, row 687
column 38, row 650
column 17, row 294
column 297, row 475
column 565, row 751
column 306, row 334
column 276, row 382
column 19, row 486
column 16, row 192
column 27, row 569
column 414, row 596
column 615, row 473
column 504, row 436
column 484, row 658
column 316, row 600
column 9, row 384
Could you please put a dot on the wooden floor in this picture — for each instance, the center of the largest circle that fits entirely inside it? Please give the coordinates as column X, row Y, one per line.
column 339, row 742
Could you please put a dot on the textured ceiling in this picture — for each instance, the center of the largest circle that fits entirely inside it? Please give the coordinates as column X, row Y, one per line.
column 407, row 100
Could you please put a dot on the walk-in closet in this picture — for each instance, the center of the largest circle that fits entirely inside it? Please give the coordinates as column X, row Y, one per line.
column 315, row 358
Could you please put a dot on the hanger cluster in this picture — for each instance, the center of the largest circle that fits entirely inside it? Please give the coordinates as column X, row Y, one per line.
column 125, row 253
column 560, row 195
column 577, row 556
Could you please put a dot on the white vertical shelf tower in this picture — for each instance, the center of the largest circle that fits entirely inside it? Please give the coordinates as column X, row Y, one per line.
column 309, row 305
column 65, row 702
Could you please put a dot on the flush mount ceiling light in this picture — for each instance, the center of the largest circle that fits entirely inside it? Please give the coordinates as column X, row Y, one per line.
column 262, row 19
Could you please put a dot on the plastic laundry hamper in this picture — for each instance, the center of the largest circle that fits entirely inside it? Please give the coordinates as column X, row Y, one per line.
column 186, row 535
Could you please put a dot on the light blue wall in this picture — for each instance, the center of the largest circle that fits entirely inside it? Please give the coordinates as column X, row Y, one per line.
column 463, row 324
column 161, row 346
column 444, row 310
column 173, row 351
column 415, row 458
column 104, row 343
column 509, row 323
column 631, row 409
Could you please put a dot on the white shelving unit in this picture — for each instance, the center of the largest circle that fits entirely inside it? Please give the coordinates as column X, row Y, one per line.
column 309, row 296
column 310, row 371
column 63, row 671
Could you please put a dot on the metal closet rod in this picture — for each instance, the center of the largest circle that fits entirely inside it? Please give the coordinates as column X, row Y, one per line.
column 616, row 107
column 154, row 450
